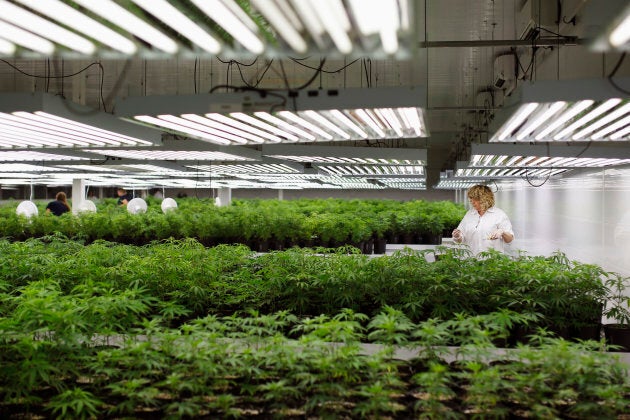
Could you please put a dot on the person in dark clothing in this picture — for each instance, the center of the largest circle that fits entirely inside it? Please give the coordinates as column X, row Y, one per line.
column 123, row 197
column 59, row 206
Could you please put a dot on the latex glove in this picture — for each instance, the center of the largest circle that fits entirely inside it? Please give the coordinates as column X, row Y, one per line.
column 496, row 234
column 457, row 235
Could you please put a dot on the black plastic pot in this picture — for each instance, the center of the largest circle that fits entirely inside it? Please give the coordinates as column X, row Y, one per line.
column 618, row 335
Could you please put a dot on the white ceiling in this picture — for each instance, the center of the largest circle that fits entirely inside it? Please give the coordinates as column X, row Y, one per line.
column 462, row 47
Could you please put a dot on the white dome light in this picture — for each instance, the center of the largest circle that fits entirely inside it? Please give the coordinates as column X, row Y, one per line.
column 137, row 205
column 27, row 209
column 168, row 204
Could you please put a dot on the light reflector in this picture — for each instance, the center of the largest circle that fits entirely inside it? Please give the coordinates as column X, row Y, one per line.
column 252, row 118
column 566, row 111
column 334, row 28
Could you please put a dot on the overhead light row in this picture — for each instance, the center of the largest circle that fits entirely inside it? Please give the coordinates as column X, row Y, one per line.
column 531, row 161
column 40, row 129
column 372, row 170
column 169, row 154
column 490, row 174
column 499, row 161
column 260, row 117
column 238, row 128
column 41, row 120
column 566, row 111
column 561, row 121
column 168, row 27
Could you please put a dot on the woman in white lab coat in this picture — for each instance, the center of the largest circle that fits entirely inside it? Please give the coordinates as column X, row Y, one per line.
column 484, row 226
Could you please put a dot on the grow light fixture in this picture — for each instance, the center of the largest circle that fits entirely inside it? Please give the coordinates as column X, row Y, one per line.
column 171, row 155
column 252, row 118
column 456, row 183
column 254, row 169
column 40, row 120
column 341, row 155
column 118, row 29
column 566, row 111
column 373, row 170
column 497, row 161
column 608, row 25
column 33, row 156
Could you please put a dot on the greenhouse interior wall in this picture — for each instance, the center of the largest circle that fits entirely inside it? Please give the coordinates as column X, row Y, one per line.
column 586, row 216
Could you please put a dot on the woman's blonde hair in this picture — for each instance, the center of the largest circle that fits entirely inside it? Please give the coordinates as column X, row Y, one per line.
column 61, row 196
column 483, row 194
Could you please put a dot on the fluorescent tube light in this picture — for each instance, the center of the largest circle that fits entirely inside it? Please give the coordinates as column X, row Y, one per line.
column 340, row 115
column 170, row 15
column 599, row 110
column 6, row 47
column 561, row 111
column 287, row 31
column 240, row 136
column 334, row 28
column 566, row 116
column 260, row 124
column 332, row 15
column 621, row 34
column 161, row 122
column 326, row 123
column 237, row 23
column 44, row 120
column 540, row 119
column 26, row 39
column 291, row 116
column 131, row 23
column 240, row 126
column 42, row 27
column 517, row 120
column 72, row 18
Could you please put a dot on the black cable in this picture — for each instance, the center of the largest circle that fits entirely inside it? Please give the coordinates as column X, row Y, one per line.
column 285, row 79
column 541, row 184
column 554, row 33
column 238, row 62
column 48, row 77
column 261, row 92
column 195, row 75
column 240, row 71
column 296, row 61
column 614, row 71
column 585, row 149
column 314, row 76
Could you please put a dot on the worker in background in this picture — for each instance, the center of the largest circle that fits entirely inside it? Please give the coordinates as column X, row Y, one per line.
column 123, row 197
column 484, row 226
column 59, row 206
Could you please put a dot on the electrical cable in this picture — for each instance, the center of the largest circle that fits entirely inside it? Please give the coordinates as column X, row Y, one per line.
column 313, row 77
column 48, row 77
column 614, row 71
column 195, row 75
column 526, row 178
column 296, row 61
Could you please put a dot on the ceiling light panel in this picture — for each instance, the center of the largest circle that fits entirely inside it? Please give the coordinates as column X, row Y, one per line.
column 169, row 155
column 40, row 120
column 250, row 169
column 147, row 28
column 246, row 118
column 32, row 156
column 455, row 184
column 503, row 161
column 342, row 155
column 566, row 111
column 367, row 170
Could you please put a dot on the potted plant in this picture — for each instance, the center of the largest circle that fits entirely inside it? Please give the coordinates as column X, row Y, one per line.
column 618, row 309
